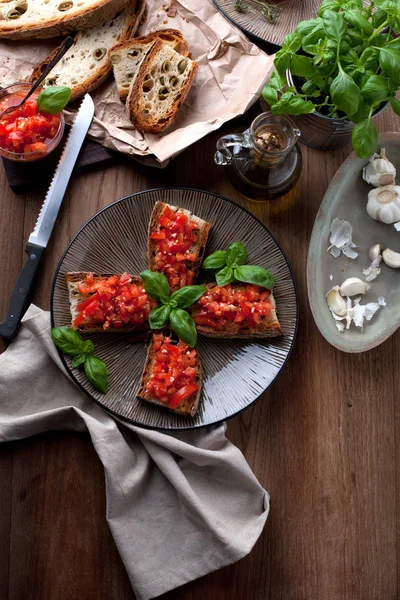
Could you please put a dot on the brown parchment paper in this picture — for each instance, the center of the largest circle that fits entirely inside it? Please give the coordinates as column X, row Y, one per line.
column 231, row 74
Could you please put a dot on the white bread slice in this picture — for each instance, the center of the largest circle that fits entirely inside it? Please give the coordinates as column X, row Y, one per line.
column 87, row 63
column 160, row 88
column 31, row 19
column 126, row 57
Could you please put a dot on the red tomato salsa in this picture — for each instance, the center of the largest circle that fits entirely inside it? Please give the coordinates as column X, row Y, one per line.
column 175, row 238
column 113, row 302
column 233, row 303
column 26, row 130
column 174, row 374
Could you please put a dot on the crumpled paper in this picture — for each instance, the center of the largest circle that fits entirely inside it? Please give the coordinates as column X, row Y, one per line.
column 231, row 74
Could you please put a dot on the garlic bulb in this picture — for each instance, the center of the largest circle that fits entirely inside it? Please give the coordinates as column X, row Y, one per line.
column 353, row 286
column 384, row 204
column 379, row 170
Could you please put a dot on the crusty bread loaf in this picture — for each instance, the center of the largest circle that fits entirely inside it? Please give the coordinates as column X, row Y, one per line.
column 187, row 407
column 268, row 328
column 126, row 57
column 74, row 279
column 160, row 88
column 24, row 19
column 87, row 63
column 198, row 249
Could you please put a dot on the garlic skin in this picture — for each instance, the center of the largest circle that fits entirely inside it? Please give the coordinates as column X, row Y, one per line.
column 335, row 302
column 384, row 204
column 391, row 258
column 353, row 286
column 379, row 171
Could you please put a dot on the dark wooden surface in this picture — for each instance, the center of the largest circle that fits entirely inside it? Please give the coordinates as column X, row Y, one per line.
column 324, row 441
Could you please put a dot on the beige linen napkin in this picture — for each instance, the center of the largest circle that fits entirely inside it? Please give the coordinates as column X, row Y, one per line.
column 179, row 505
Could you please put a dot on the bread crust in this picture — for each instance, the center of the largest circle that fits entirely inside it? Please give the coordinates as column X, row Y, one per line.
column 188, row 407
column 73, row 278
column 198, row 248
column 135, row 95
column 101, row 11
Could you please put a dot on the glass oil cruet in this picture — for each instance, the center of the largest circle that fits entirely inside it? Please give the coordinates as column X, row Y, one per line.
column 263, row 162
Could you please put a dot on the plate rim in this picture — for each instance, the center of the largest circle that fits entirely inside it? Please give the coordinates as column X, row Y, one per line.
column 189, row 427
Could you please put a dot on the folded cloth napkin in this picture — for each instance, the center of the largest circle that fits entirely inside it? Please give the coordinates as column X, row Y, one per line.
column 179, row 505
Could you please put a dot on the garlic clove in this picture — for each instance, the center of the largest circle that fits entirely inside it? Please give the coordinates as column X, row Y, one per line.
column 384, row 204
column 353, row 286
column 379, row 171
column 375, row 251
column 335, row 302
column 391, row 258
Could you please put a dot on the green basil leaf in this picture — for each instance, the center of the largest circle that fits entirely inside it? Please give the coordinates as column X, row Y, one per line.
column 225, row 276
column 362, row 112
column 302, row 66
column 328, row 5
column 159, row 316
column 216, row 260
column 53, row 99
column 282, row 60
column 378, row 18
column 395, row 104
column 184, row 326
column 389, row 60
column 356, row 37
column 297, row 106
column 277, row 80
column 88, row 347
column 187, row 296
column 375, row 89
column 292, row 42
column 369, row 58
column 313, row 38
column 364, row 138
column 79, row 359
column 306, row 27
column 394, row 43
column 236, row 254
column 345, row 93
column 96, row 372
column 334, row 25
column 255, row 275
column 156, row 285
column 269, row 94
column 355, row 18
column 67, row 340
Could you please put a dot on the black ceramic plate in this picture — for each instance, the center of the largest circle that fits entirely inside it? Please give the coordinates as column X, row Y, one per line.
column 236, row 372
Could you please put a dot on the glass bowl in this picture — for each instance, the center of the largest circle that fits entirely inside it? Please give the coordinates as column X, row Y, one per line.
column 50, row 144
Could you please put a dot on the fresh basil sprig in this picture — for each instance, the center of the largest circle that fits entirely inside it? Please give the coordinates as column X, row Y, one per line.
column 70, row 342
column 53, row 99
column 170, row 310
column 231, row 267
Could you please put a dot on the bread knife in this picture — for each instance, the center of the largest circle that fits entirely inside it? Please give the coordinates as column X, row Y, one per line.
column 38, row 240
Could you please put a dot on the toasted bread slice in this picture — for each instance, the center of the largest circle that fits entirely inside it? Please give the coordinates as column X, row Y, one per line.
column 21, row 19
column 74, row 279
column 267, row 328
column 87, row 64
column 197, row 249
column 187, row 407
column 160, row 88
column 126, row 57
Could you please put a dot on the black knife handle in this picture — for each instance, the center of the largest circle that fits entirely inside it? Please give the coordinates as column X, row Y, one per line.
column 22, row 292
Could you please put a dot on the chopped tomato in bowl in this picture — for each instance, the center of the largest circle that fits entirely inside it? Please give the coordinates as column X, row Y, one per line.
column 26, row 134
column 174, row 376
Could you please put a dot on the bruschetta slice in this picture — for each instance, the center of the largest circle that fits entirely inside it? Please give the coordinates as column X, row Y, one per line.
column 236, row 310
column 115, row 303
column 177, row 240
column 172, row 376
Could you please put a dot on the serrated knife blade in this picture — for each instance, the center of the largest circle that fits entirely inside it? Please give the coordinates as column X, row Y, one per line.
column 40, row 236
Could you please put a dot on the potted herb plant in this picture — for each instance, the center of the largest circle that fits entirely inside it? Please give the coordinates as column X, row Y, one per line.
column 339, row 69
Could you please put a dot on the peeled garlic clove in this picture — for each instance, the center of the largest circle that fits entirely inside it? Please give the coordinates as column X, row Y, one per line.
column 384, row 204
column 353, row 286
column 379, row 171
column 335, row 302
column 391, row 258
column 375, row 251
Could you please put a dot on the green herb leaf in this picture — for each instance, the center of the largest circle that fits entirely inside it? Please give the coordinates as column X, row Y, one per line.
column 53, row 99
column 282, row 60
column 216, row 260
column 302, row 66
column 328, row 5
column 292, row 42
column 306, row 27
column 345, row 93
column 68, row 340
column 369, row 58
column 156, row 286
column 187, row 296
column 255, row 275
column 334, row 25
column 389, row 60
column 225, row 276
column 88, row 347
column 294, row 105
column 375, row 89
column 79, row 359
column 395, row 104
column 364, row 138
column 159, row 316
column 362, row 113
column 184, row 326
column 96, row 372
column 236, row 254
column 269, row 94
column 355, row 18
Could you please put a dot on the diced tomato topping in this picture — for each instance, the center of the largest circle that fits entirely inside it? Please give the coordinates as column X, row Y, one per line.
column 113, row 302
column 233, row 303
column 158, row 235
column 174, row 372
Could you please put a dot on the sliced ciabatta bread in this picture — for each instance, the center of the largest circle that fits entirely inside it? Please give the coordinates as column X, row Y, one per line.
column 87, row 63
column 126, row 57
column 116, row 303
column 172, row 376
column 237, row 310
column 177, row 241
column 21, row 19
column 160, row 88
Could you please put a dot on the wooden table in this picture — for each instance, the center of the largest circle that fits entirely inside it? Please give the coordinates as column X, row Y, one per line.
column 324, row 441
